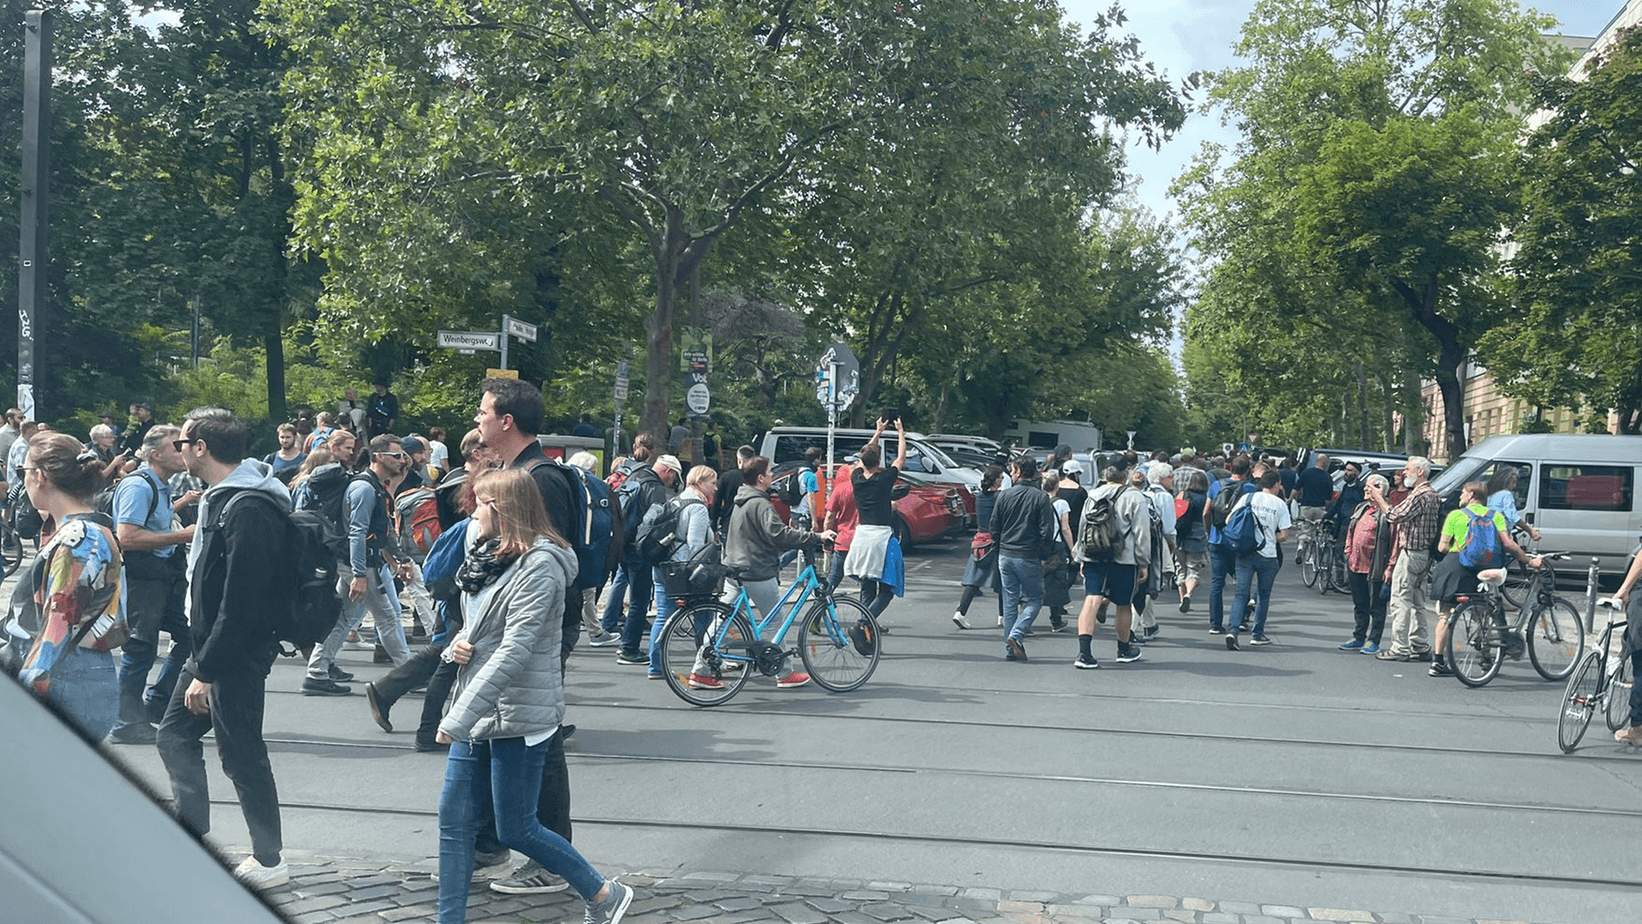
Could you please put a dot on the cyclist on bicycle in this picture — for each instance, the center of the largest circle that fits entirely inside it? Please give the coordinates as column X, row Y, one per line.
column 1632, row 601
column 1451, row 578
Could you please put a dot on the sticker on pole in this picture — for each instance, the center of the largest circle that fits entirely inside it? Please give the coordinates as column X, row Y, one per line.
column 837, row 378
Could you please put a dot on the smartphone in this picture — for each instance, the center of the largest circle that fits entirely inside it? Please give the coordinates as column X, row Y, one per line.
column 891, row 414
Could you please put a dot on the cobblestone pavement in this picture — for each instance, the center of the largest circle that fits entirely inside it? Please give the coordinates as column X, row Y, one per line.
column 330, row 890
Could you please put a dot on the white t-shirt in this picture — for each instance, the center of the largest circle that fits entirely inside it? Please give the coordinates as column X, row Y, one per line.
column 438, row 456
column 1272, row 515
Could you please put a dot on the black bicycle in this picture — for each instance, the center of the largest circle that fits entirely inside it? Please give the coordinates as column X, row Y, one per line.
column 1322, row 562
column 1603, row 681
column 11, row 544
column 1480, row 638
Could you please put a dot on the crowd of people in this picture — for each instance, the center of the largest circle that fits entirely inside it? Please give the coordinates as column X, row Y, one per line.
column 484, row 560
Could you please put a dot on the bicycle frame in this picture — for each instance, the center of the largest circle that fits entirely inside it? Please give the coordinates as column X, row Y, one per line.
column 807, row 584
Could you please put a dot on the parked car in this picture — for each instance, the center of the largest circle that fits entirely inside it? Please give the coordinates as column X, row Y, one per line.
column 925, row 511
column 788, row 444
column 1579, row 490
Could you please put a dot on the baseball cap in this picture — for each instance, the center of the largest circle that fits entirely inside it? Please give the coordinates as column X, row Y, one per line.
column 412, row 444
column 670, row 462
column 1071, row 467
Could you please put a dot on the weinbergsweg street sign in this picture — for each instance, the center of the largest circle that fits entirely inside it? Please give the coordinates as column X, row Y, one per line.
column 470, row 340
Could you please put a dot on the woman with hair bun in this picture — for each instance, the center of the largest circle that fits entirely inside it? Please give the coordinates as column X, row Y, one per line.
column 68, row 610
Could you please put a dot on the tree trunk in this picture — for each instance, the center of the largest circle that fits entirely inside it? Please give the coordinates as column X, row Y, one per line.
column 1451, row 356
column 1362, row 408
column 273, row 337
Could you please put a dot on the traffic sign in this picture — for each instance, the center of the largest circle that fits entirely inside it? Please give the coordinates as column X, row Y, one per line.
column 522, row 330
column 837, row 378
column 470, row 340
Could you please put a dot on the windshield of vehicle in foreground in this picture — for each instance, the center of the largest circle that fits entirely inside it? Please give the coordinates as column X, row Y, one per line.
column 1457, row 474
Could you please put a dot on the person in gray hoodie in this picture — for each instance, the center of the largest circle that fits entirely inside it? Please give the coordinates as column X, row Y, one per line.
column 234, row 591
column 507, row 702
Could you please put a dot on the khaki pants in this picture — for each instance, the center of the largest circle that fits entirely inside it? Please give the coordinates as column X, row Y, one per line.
column 1407, row 606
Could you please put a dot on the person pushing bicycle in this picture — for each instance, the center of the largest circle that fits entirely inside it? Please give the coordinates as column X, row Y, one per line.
column 1452, row 576
column 1632, row 733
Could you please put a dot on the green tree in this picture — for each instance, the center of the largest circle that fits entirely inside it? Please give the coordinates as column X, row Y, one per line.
column 1374, row 173
column 1576, row 337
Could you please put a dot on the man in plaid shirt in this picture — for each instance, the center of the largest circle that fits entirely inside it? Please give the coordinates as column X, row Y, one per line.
column 1414, row 526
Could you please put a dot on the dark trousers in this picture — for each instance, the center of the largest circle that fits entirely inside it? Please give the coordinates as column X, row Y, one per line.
column 1367, row 609
column 423, row 668
column 876, row 595
column 1221, row 566
column 236, row 718
column 152, row 607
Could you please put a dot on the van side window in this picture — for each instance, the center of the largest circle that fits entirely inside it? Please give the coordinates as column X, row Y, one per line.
column 1587, row 487
column 1524, row 474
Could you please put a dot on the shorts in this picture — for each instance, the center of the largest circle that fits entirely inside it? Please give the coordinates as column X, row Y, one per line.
column 1194, row 567
column 1110, row 580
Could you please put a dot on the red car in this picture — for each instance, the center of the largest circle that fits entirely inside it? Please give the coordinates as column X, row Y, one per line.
column 923, row 510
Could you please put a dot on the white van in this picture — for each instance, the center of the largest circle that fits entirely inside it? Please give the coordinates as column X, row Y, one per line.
column 788, row 444
column 1081, row 435
column 1579, row 490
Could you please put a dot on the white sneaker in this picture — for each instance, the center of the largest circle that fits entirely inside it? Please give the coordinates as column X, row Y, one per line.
column 257, row 876
column 959, row 621
column 604, row 641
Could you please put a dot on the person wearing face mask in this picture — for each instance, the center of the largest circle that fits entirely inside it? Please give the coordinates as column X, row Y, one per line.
column 1414, row 525
column 373, row 561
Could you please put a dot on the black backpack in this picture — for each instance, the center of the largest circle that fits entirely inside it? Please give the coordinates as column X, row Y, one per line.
column 1220, row 507
column 658, row 536
column 792, row 493
column 327, row 500
column 598, row 535
column 1102, row 533
column 309, row 569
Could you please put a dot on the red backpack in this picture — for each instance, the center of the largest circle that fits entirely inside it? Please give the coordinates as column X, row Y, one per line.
column 418, row 513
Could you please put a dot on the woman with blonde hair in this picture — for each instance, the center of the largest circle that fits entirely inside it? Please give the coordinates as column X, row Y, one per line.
column 68, row 610
column 508, row 699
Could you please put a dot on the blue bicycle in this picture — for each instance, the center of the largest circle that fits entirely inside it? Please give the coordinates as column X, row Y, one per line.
column 710, row 648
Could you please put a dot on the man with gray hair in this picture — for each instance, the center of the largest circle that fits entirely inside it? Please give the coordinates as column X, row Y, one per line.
column 155, row 585
column 1414, row 526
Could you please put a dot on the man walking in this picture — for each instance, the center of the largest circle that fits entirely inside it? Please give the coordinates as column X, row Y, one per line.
column 1414, row 524
column 381, row 411
column 1115, row 578
column 367, row 579
column 632, row 582
column 156, row 584
column 1025, row 525
column 1222, row 562
column 655, row 490
column 222, row 687
column 1316, row 492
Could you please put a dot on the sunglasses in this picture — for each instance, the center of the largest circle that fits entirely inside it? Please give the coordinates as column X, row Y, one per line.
column 396, row 454
column 179, row 444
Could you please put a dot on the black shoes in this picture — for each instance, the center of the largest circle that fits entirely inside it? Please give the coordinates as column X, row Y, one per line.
column 379, row 710
column 326, row 687
column 136, row 733
column 339, row 675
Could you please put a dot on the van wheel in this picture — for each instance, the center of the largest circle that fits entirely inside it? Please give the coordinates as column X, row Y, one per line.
column 903, row 534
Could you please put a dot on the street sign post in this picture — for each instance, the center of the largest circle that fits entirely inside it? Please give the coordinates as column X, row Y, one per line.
column 621, row 395
column 520, row 329
column 837, row 382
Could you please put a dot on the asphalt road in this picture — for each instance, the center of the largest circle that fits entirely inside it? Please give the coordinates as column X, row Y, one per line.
column 1293, row 774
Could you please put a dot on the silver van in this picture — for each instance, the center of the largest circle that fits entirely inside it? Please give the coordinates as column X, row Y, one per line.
column 1579, row 490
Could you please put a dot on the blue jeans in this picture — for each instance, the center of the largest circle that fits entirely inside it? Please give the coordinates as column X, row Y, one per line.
column 664, row 609
column 1221, row 565
column 508, row 775
column 835, row 572
column 1248, row 567
column 631, row 587
column 1022, row 594
column 83, row 685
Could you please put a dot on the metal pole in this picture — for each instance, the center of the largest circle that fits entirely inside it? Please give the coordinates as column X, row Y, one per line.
column 194, row 337
column 504, row 341
column 36, row 199
column 832, row 424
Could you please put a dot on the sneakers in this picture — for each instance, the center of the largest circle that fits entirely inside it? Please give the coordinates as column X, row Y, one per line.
column 615, row 904
column 1057, row 625
column 792, row 680
column 1632, row 735
column 326, row 687
column 1150, row 632
column 1016, row 649
column 1389, row 655
column 1260, row 640
column 529, row 879
column 1371, row 648
column 633, row 658
column 339, row 675
column 135, row 733
column 1186, row 604
column 1420, row 656
column 1086, row 664
column 1127, row 652
column 1440, row 669
column 379, row 655
column 704, row 682
column 257, row 876
column 1231, row 642
column 961, row 621
column 1355, row 644
column 603, row 640
column 379, row 712
column 1216, row 630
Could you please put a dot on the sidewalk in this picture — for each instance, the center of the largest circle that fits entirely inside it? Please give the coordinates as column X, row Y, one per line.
column 383, row 890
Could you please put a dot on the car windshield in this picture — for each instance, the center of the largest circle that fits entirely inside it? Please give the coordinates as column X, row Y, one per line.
column 1457, row 474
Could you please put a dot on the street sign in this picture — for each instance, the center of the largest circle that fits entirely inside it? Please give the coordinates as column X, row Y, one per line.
column 522, row 330
column 698, row 399
column 837, row 378
column 469, row 340
column 621, row 392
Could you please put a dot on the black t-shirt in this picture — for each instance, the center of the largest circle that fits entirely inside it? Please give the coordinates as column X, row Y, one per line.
column 724, row 501
column 1075, row 498
column 1316, row 488
column 553, row 483
column 872, row 498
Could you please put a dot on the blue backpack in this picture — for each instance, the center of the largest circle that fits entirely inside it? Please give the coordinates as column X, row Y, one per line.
column 1481, row 548
column 1241, row 536
column 597, row 535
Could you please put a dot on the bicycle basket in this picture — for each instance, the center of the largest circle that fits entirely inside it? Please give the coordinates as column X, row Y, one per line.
column 691, row 578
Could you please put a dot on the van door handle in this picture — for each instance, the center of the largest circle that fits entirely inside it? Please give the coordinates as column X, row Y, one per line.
column 1528, row 518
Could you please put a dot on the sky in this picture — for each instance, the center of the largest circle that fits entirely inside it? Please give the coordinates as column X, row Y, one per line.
column 1183, row 36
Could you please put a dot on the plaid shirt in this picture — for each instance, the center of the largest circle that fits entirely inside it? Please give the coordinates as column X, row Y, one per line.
column 1417, row 519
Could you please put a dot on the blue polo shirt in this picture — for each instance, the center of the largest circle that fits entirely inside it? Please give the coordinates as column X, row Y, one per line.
column 135, row 494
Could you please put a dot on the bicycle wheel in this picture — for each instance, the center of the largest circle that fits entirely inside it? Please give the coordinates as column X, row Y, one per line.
column 11, row 549
column 1515, row 587
column 839, row 643
column 1308, row 561
column 1555, row 639
column 1472, row 649
column 1325, row 567
column 1578, row 702
column 706, row 653
column 1619, row 696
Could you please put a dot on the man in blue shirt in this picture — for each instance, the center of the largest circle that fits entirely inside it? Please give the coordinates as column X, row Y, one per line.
column 1316, row 493
column 155, row 584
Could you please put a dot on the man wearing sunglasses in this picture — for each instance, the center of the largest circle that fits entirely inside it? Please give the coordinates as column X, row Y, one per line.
column 373, row 561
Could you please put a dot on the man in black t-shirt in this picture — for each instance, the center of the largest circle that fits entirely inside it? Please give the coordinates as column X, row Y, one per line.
column 873, row 486
column 1316, row 491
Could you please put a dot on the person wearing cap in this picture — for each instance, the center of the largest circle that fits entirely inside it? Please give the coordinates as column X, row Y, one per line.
column 417, row 475
column 381, row 411
column 142, row 419
column 646, row 486
column 1076, row 497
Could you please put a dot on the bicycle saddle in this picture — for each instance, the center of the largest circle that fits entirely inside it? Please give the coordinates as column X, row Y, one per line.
column 1493, row 577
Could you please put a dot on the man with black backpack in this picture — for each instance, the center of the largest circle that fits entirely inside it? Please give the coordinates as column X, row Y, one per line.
column 641, row 489
column 651, row 487
column 1116, row 542
column 238, row 582
column 373, row 561
column 1223, row 496
column 156, row 584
